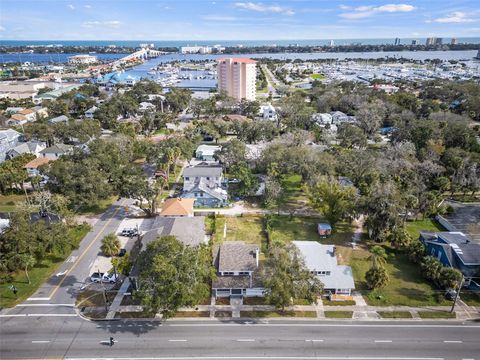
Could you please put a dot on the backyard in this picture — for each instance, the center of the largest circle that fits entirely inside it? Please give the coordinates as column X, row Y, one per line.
column 8, row 202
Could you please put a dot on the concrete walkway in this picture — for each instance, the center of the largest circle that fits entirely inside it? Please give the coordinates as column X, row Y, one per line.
column 118, row 299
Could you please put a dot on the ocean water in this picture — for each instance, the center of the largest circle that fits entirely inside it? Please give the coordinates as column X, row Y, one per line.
column 177, row 43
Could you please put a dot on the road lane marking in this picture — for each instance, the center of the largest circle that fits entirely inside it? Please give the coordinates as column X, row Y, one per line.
column 38, row 299
column 314, row 340
column 33, row 305
column 263, row 357
column 120, row 206
column 40, row 341
column 452, row 341
column 370, row 325
column 38, row 315
column 383, row 341
column 246, row 340
column 177, row 340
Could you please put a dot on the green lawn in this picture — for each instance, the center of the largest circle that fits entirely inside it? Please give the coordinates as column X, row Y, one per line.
column 192, row 314
column 395, row 314
column 38, row 275
column 437, row 315
column 414, row 227
column 338, row 303
column 100, row 207
column 9, row 202
column 241, row 228
column 317, row 76
column 278, row 313
column 339, row 314
column 470, row 298
column 406, row 286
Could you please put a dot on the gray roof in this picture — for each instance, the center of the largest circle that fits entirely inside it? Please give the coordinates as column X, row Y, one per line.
column 9, row 135
column 26, row 147
column 57, row 149
column 215, row 193
column 189, row 230
column 454, row 242
column 319, row 257
column 462, row 217
column 58, row 119
column 235, row 256
column 238, row 282
column 203, row 171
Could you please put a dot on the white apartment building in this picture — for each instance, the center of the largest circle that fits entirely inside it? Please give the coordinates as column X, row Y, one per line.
column 237, row 77
column 82, row 59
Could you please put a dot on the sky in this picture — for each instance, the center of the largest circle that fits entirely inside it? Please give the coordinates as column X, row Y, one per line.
column 236, row 20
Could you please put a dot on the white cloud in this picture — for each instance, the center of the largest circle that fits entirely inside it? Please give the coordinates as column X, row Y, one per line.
column 2, row 28
column 71, row 7
column 87, row 6
column 92, row 24
column 361, row 12
column 260, row 7
column 219, row 18
column 345, row 7
column 455, row 17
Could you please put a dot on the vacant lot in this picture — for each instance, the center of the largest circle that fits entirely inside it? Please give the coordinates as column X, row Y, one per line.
column 9, row 202
column 406, row 286
column 414, row 227
column 241, row 228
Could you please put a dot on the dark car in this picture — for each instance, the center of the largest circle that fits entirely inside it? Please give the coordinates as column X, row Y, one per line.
column 122, row 252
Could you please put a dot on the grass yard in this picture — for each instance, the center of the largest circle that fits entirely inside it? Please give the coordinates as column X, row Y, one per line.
column 339, row 303
column 92, row 298
column 192, row 314
column 470, row 298
column 339, row 314
column 437, row 315
column 9, row 202
column 255, row 301
column 414, row 227
column 38, row 275
column 278, row 313
column 223, row 314
column 100, row 207
column 317, row 76
column 241, row 228
column 395, row 314
column 406, row 286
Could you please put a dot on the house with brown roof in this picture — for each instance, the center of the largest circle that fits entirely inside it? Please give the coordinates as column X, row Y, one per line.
column 237, row 265
column 177, row 207
column 32, row 166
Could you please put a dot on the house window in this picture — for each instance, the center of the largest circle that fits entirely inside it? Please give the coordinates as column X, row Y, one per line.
column 208, row 178
column 327, row 272
column 243, row 273
column 228, row 273
column 187, row 178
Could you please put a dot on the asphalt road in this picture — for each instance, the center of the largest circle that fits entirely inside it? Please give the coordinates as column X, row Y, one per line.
column 75, row 338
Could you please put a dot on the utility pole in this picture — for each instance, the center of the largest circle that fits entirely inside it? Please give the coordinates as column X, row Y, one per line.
column 457, row 293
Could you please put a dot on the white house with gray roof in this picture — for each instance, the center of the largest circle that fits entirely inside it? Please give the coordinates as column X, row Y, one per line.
column 206, row 185
column 321, row 260
column 188, row 230
column 237, row 270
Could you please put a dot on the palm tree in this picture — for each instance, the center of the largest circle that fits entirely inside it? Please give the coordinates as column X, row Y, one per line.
column 431, row 268
column 378, row 256
column 110, row 245
column 376, row 277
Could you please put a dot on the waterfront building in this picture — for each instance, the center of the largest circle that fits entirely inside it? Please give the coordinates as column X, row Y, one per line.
column 414, row 42
column 332, row 43
column 397, row 41
column 82, row 59
column 454, row 41
column 431, row 41
column 237, row 77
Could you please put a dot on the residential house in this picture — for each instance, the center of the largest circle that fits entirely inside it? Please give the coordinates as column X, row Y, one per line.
column 268, row 112
column 339, row 117
column 205, row 184
column 146, row 106
column 8, row 140
column 188, row 230
column 89, row 114
column 177, row 207
column 237, row 267
column 457, row 250
column 206, row 152
column 54, row 94
column 59, row 119
column 321, row 260
column 29, row 147
column 32, row 167
column 322, row 118
column 55, row 151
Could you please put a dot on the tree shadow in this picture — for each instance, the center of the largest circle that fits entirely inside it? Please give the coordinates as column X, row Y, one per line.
column 135, row 327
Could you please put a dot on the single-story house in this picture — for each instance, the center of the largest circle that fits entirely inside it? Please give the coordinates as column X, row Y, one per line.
column 90, row 112
column 324, row 229
column 59, row 119
column 189, row 230
column 321, row 260
column 32, row 166
column 457, row 250
column 237, row 270
column 177, row 207
column 55, row 151
column 206, row 152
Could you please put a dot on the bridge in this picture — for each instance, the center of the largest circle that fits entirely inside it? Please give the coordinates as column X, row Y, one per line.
column 142, row 54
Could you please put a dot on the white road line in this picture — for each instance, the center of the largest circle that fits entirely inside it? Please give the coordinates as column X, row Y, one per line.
column 246, row 340
column 383, row 341
column 452, row 341
column 212, row 324
column 314, row 340
column 38, row 315
column 33, row 305
column 177, row 340
column 40, row 341
column 266, row 358
column 38, row 299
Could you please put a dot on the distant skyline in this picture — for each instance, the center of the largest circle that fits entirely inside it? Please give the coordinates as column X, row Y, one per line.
column 235, row 20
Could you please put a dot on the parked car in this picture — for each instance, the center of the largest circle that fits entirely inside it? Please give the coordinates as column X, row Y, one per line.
column 129, row 232
column 110, row 278
column 122, row 252
column 96, row 277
